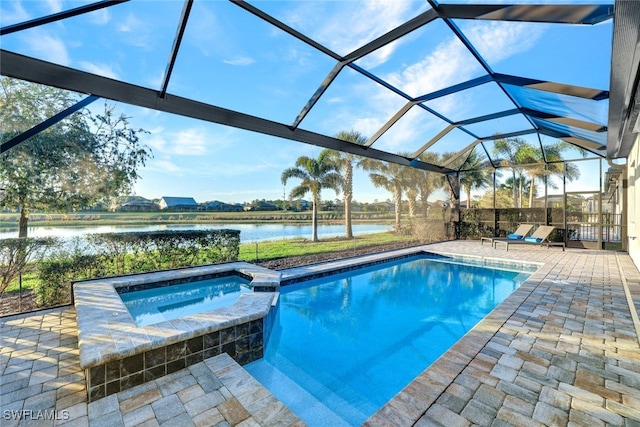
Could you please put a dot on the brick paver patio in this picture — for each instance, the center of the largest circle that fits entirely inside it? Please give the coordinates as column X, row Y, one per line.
column 562, row 350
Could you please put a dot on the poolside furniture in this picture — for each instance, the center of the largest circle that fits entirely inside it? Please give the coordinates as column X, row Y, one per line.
column 520, row 233
column 539, row 237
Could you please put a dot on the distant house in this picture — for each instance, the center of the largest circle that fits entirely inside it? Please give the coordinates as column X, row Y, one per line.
column 260, row 205
column 219, row 206
column 305, row 204
column 137, row 203
column 178, row 203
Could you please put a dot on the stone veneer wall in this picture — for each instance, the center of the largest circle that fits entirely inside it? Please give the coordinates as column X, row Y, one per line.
column 244, row 343
column 116, row 354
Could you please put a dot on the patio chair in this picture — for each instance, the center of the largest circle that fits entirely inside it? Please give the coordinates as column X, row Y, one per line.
column 539, row 237
column 520, row 233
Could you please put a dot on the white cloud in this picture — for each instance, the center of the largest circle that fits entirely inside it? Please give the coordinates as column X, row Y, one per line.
column 366, row 19
column 130, row 24
column 48, row 47
column 239, row 60
column 497, row 41
column 195, row 141
column 156, row 82
column 449, row 63
column 190, row 142
column 99, row 69
column 164, row 166
column 100, row 16
column 14, row 15
column 54, row 5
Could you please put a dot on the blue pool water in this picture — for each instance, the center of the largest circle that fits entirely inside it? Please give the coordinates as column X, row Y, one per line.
column 342, row 346
column 162, row 303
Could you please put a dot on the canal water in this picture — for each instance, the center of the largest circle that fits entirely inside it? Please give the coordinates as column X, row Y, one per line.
column 248, row 232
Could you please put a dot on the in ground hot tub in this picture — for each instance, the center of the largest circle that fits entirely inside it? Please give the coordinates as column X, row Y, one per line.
column 118, row 354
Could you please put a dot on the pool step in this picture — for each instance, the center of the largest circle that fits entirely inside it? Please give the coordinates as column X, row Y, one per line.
column 300, row 401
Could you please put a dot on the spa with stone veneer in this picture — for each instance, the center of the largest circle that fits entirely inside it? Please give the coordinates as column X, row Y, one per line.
column 116, row 354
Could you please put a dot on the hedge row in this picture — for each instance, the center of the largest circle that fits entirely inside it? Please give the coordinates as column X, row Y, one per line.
column 98, row 255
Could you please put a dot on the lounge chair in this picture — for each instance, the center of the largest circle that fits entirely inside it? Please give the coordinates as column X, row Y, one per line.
column 520, row 233
column 539, row 237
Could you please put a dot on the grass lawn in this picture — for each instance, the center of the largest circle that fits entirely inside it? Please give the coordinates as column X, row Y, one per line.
column 295, row 247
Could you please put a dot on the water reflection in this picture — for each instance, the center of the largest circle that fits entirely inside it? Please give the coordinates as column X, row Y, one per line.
column 248, row 232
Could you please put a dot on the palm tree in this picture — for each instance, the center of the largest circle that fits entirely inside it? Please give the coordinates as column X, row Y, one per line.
column 345, row 162
column 512, row 151
column 316, row 174
column 474, row 177
column 553, row 156
column 391, row 177
column 429, row 181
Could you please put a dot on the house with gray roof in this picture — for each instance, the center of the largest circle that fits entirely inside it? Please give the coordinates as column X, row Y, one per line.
column 178, row 203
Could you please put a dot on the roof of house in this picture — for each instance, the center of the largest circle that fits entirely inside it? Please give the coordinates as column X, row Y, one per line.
column 179, row 201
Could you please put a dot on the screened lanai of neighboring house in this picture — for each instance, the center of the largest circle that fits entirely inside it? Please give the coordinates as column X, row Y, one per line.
column 435, row 86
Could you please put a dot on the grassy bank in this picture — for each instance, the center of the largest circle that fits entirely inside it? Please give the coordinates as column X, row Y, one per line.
column 296, row 247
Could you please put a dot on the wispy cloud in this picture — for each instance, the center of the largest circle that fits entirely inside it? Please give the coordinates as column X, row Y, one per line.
column 129, row 24
column 164, row 166
column 55, row 6
column 99, row 69
column 190, row 142
column 497, row 41
column 239, row 60
column 449, row 63
column 366, row 21
column 194, row 141
column 12, row 13
column 48, row 47
column 100, row 16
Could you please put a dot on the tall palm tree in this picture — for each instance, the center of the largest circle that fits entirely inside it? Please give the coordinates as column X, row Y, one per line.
column 553, row 155
column 345, row 163
column 412, row 191
column 429, row 181
column 510, row 151
column 391, row 177
column 474, row 177
column 316, row 175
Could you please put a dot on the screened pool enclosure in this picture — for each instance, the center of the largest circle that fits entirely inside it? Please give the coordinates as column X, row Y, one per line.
column 540, row 99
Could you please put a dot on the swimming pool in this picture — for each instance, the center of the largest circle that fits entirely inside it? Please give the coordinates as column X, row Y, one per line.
column 343, row 345
column 161, row 303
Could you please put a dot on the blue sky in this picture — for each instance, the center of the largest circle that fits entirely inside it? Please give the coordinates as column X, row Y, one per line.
column 234, row 60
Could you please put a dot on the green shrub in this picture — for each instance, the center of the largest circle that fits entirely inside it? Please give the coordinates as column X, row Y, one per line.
column 122, row 253
column 56, row 273
column 15, row 254
column 160, row 250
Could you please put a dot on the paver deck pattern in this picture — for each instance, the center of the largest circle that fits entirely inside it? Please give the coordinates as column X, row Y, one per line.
column 562, row 350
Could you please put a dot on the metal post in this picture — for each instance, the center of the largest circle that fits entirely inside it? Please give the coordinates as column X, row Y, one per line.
column 599, row 225
column 495, row 210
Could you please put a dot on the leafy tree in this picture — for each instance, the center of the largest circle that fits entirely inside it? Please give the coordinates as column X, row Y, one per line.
column 315, row 174
column 81, row 160
column 345, row 163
